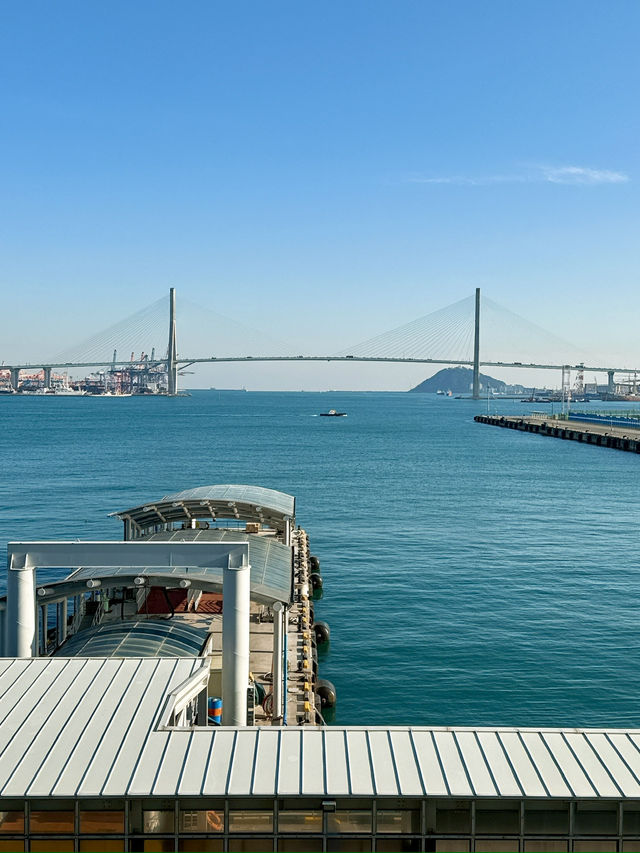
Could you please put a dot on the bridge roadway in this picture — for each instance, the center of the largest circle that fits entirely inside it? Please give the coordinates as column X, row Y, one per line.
column 187, row 362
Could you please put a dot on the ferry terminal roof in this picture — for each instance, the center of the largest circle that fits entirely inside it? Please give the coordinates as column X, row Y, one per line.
column 246, row 503
column 198, row 556
column 135, row 638
column 86, row 728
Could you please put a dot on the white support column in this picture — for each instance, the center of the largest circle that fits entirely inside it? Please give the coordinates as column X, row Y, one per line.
column 278, row 653
column 21, row 612
column 61, row 623
column 236, row 596
column 287, row 531
column 285, row 664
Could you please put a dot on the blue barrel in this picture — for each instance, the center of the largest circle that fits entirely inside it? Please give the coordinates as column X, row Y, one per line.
column 214, row 709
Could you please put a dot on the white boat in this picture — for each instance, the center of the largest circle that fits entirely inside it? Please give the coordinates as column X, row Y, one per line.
column 66, row 391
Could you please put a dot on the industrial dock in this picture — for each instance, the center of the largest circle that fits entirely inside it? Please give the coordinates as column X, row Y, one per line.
column 602, row 433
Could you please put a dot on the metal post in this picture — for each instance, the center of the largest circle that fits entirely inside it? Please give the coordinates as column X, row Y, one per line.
column 21, row 612
column 172, row 368
column 61, row 622
column 3, row 629
column 235, row 643
column 476, row 350
column 278, row 653
column 203, row 708
column 45, row 630
column 285, row 663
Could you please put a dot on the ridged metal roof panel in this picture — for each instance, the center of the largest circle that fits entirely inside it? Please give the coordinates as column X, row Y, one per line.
column 526, row 773
column 498, row 764
column 336, row 771
column 475, row 764
column 571, row 769
column 313, row 757
column 618, row 769
column 289, row 764
column 266, row 762
column 241, row 770
column 195, row 764
column 220, row 760
column 93, row 727
column 383, row 764
column 593, row 768
column 454, row 770
column 405, row 761
column 545, row 764
column 359, row 762
column 146, row 773
column 429, row 763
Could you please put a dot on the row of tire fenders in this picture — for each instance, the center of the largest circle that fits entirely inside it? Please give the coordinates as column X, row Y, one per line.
column 308, row 564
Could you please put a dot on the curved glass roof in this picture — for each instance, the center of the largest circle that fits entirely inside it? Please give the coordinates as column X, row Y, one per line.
column 257, row 495
column 244, row 503
column 196, row 555
column 165, row 638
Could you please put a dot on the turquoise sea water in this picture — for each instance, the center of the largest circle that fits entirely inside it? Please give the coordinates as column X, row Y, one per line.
column 473, row 575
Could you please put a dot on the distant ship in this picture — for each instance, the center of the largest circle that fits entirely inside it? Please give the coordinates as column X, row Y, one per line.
column 333, row 414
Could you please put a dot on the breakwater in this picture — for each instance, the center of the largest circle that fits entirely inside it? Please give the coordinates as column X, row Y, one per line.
column 600, row 434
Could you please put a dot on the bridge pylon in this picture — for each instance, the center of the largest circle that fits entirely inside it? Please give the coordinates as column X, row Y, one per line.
column 172, row 367
column 476, row 350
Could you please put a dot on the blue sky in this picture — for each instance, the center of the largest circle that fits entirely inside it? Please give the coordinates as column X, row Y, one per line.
column 320, row 171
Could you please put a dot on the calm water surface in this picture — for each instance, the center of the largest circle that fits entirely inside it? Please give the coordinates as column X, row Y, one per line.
column 473, row 575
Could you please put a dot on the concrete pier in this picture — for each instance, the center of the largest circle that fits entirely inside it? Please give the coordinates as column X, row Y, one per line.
column 602, row 435
column 298, row 647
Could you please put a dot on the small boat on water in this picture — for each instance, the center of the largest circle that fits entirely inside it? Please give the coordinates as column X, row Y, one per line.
column 333, row 414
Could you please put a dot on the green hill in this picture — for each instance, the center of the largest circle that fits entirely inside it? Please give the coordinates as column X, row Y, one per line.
column 458, row 380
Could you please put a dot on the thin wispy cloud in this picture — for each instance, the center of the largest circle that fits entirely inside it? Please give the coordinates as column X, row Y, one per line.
column 581, row 175
column 541, row 174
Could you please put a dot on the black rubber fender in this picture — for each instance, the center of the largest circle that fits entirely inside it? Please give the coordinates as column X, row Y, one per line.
column 316, row 581
column 322, row 632
column 314, row 562
column 327, row 693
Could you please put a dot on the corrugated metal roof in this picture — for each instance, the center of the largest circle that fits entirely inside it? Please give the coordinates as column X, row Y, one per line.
column 78, row 727
column 135, row 639
column 247, row 503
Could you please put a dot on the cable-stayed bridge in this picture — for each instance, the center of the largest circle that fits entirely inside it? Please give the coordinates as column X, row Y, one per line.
column 474, row 332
